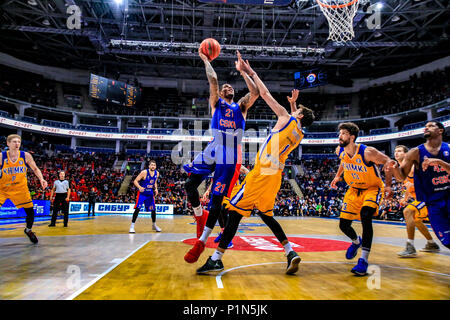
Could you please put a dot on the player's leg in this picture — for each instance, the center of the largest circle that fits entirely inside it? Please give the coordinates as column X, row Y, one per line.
column 410, row 251
column 245, row 206
column 350, row 210
column 422, row 213
column 29, row 211
column 292, row 257
column 213, row 216
column 191, row 187
column 139, row 201
column 152, row 209
column 224, row 179
column 367, row 230
column 214, row 263
column 223, row 219
column 439, row 213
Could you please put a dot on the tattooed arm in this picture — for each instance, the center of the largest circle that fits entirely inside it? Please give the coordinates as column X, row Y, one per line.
column 213, row 82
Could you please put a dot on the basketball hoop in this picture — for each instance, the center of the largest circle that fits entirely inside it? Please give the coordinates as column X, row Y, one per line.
column 340, row 14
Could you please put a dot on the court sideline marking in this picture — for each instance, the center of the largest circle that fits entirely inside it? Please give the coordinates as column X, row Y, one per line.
column 119, row 261
column 220, row 284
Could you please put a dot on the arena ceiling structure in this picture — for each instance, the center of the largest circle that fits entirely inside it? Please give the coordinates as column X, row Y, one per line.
column 158, row 37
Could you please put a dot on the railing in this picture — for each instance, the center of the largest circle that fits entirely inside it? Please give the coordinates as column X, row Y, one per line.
column 93, row 149
column 97, row 128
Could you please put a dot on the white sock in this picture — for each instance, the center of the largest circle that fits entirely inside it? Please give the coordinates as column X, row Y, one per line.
column 206, row 232
column 430, row 241
column 26, row 229
column 411, row 241
column 365, row 254
column 287, row 248
column 217, row 255
column 356, row 241
column 198, row 211
column 132, row 225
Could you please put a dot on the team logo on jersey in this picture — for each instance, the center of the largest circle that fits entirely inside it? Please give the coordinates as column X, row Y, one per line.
column 20, row 162
column 358, row 160
column 446, row 153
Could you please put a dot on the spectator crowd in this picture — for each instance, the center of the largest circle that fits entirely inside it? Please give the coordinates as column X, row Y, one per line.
column 95, row 170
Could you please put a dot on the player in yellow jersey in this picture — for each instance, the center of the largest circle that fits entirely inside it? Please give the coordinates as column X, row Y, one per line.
column 260, row 187
column 365, row 192
column 414, row 212
column 13, row 180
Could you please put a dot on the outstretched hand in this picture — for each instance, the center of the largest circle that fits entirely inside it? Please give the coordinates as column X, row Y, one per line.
column 247, row 69
column 239, row 62
column 294, row 96
column 429, row 162
column 202, row 56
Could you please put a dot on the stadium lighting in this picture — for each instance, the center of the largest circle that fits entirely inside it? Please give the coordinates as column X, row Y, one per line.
column 145, row 45
column 380, row 5
column 118, row 1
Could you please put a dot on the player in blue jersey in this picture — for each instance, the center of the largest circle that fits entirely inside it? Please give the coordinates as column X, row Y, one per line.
column 431, row 162
column 147, row 183
column 222, row 155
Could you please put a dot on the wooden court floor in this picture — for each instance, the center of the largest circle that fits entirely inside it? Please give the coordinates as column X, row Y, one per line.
column 97, row 259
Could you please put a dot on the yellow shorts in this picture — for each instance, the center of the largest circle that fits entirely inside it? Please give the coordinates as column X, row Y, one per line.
column 419, row 208
column 355, row 199
column 20, row 199
column 257, row 191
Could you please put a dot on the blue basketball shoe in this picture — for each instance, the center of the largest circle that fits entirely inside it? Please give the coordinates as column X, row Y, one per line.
column 219, row 236
column 361, row 268
column 353, row 250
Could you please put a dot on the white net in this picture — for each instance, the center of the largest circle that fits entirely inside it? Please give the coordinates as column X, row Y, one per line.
column 340, row 14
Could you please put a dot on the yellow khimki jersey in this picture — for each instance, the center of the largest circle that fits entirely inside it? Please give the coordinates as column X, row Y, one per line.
column 366, row 186
column 13, row 181
column 357, row 172
column 260, row 187
column 420, row 209
column 410, row 189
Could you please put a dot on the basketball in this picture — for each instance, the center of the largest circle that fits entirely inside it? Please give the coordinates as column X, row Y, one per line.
column 211, row 48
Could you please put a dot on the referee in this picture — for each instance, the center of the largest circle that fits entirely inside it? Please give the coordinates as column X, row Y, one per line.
column 61, row 202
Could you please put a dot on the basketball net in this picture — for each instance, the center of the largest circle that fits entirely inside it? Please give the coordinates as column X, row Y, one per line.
column 340, row 14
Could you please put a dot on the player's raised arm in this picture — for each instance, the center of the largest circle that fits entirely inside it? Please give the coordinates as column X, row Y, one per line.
column 249, row 99
column 213, row 82
column 292, row 100
column 279, row 110
column 30, row 161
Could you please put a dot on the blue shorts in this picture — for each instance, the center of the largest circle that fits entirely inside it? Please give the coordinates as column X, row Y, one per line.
column 226, row 166
column 147, row 199
column 439, row 216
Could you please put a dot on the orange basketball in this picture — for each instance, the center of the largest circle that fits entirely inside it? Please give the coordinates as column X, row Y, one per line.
column 211, row 48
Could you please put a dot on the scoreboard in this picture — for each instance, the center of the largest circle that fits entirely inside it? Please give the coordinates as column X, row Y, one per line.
column 309, row 79
column 114, row 91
